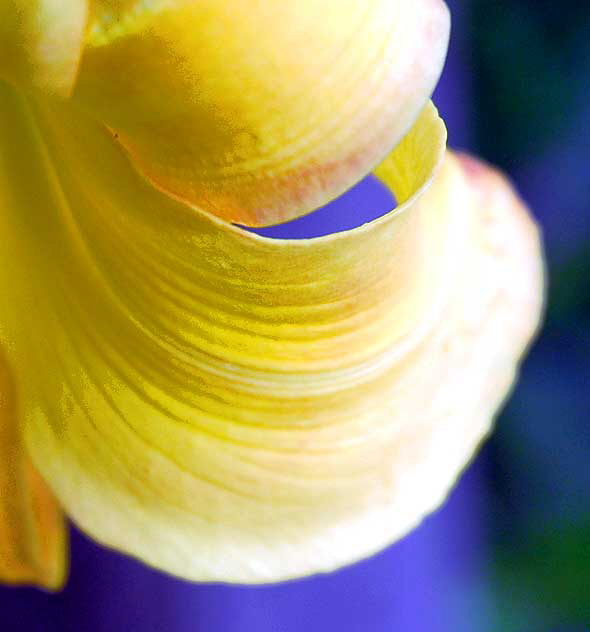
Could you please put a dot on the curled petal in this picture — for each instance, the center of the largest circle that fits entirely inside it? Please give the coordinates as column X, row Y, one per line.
column 41, row 42
column 260, row 111
column 234, row 408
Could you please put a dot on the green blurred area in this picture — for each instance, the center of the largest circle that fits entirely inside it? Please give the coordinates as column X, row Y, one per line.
column 543, row 577
column 533, row 71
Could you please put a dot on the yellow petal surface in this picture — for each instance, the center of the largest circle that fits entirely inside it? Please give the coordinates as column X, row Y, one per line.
column 228, row 407
column 260, row 111
column 41, row 42
column 32, row 531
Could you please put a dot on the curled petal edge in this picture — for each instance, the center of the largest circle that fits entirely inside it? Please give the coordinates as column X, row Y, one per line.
column 302, row 100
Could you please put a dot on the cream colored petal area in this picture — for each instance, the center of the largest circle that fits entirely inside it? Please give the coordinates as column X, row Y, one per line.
column 260, row 111
column 41, row 42
column 233, row 408
column 33, row 537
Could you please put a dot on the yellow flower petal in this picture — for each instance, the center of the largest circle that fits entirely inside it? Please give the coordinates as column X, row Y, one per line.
column 41, row 42
column 32, row 532
column 260, row 111
column 229, row 407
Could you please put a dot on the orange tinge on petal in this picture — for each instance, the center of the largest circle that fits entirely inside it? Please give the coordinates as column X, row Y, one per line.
column 32, row 531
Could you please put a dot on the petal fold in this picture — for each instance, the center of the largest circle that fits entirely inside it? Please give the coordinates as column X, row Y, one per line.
column 228, row 407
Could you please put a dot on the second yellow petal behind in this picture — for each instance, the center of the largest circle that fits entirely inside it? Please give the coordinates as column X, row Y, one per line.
column 33, row 536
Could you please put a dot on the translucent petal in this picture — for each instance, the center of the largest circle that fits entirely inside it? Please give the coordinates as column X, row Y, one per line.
column 41, row 42
column 234, row 408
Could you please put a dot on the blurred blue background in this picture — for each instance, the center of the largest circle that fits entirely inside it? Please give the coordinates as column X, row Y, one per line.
column 510, row 550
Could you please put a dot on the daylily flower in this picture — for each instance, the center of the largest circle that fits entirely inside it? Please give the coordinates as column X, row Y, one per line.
column 221, row 405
